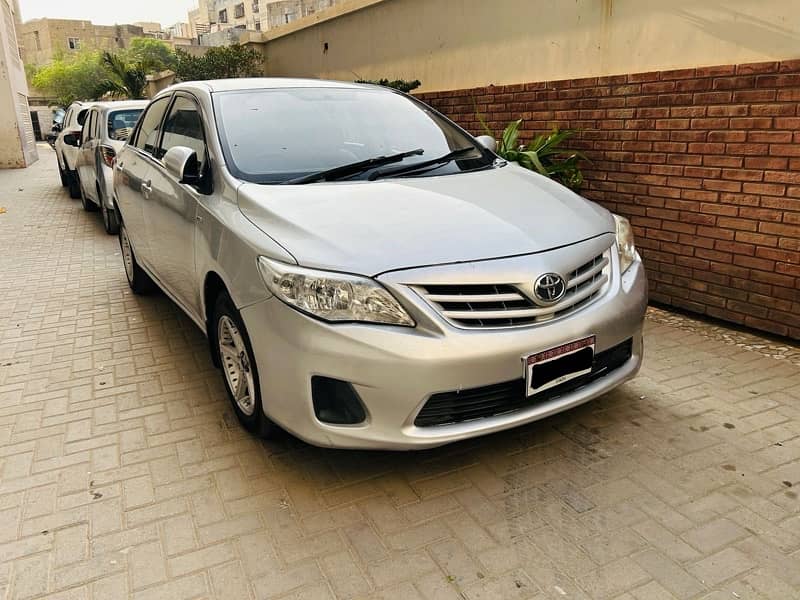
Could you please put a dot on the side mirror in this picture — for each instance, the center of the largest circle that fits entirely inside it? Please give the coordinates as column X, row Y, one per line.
column 72, row 139
column 487, row 142
column 182, row 162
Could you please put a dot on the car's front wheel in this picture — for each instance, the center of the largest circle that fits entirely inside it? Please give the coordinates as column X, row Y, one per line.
column 239, row 369
column 139, row 281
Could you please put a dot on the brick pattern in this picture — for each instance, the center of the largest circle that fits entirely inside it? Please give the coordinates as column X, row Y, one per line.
column 123, row 473
column 706, row 164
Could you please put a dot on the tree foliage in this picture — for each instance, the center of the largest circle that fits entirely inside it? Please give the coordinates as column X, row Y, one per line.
column 151, row 54
column 126, row 79
column 89, row 75
column 223, row 62
column 398, row 84
column 78, row 77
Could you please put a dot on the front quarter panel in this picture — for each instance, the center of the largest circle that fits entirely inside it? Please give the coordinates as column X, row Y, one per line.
column 228, row 244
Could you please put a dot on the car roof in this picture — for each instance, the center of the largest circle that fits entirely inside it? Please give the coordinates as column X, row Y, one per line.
column 120, row 105
column 259, row 83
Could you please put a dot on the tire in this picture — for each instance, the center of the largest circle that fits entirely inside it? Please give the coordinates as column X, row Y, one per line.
column 110, row 219
column 235, row 354
column 138, row 280
column 74, row 185
column 62, row 174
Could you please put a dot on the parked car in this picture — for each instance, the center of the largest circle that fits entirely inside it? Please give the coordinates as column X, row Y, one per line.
column 55, row 127
column 367, row 273
column 67, row 143
column 107, row 126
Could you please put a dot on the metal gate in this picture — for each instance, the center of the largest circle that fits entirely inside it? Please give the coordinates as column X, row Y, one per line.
column 26, row 134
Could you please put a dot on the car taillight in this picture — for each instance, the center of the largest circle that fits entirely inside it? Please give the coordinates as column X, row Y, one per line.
column 108, row 155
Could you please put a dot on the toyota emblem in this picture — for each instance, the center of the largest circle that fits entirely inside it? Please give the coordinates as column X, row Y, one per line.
column 550, row 288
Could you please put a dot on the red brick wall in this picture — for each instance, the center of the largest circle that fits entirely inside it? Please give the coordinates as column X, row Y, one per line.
column 706, row 164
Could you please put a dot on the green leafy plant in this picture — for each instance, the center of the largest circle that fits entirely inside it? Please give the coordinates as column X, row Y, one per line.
column 223, row 62
column 398, row 84
column 544, row 154
column 126, row 79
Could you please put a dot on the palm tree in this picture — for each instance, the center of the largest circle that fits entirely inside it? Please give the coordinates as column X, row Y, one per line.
column 127, row 79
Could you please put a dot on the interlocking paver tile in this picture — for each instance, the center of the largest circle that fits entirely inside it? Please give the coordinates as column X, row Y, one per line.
column 123, row 472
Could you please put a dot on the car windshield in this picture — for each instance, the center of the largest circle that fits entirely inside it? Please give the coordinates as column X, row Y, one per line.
column 284, row 134
column 121, row 122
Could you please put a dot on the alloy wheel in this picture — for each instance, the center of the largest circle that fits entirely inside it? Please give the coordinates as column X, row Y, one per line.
column 236, row 364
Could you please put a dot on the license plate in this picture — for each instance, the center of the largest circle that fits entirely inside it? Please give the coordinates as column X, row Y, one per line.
column 547, row 369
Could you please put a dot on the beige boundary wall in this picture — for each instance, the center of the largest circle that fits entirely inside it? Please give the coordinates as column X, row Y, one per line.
column 455, row 44
column 17, row 142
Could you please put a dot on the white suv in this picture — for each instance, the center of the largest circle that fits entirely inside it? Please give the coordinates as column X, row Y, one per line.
column 66, row 146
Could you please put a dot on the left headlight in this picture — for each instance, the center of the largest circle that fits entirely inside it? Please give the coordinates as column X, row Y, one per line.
column 335, row 297
column 627, row 248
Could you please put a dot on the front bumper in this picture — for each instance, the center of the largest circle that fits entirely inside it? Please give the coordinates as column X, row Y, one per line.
column 396, row 370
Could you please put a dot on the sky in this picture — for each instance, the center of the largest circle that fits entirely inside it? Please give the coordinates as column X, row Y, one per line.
column 109, row 12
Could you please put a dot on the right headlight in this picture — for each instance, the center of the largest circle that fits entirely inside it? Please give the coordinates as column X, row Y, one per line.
column 625, row 244
column 334, row 297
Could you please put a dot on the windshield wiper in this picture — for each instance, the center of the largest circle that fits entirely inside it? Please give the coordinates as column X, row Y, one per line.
column 353, row 168
column 451, row 156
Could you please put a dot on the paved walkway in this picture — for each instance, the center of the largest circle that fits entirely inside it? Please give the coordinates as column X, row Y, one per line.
column 124, row 473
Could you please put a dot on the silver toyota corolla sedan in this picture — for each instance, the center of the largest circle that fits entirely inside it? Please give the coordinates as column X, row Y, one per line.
column 367, row 273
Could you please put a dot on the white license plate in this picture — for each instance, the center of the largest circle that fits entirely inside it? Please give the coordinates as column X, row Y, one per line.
column 550, row 368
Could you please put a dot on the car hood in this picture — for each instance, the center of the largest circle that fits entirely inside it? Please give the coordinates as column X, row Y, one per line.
column 373, row 227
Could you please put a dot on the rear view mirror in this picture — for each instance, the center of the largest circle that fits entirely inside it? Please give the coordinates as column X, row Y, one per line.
column 72, row 139
column 487, row 142
column 182, row 163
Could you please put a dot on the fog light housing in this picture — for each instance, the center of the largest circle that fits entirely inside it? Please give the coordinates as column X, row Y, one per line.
column 336, row 402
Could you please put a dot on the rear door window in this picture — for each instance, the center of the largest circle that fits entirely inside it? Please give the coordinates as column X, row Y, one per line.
column 150, row 126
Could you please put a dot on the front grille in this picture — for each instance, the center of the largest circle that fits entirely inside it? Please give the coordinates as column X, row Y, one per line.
column 502, row 398
column 509, row 305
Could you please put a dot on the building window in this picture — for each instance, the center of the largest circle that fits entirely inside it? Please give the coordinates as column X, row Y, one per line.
column 223, row 16
column 238, row 11
column 74, row 43
column 255, row 7
column 258, row 25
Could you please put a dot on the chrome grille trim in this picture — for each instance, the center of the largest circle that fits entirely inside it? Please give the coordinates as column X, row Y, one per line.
column 477, row 306
column 476, row 298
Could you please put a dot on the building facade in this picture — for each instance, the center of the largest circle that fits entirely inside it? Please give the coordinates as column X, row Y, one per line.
column 283, row 12
column 44, row 39
column 17, row 141
column 151, row 29
column 213, row 16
